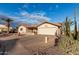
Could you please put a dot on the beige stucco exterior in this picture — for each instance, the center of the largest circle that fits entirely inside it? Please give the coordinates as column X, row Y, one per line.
column 23, row 31
column 48, row 29
column 4, row 28
column 42, row 29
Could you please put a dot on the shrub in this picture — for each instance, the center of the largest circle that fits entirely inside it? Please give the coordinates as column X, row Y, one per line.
column 69, row 45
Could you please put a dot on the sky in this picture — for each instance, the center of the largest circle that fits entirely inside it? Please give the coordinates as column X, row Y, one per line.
column 37, row 12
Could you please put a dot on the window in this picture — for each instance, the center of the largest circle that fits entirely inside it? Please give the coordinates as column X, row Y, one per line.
column 21, row 29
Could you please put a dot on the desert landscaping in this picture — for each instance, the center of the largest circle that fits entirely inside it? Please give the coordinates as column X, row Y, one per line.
column 34, row 33
column 30, row 45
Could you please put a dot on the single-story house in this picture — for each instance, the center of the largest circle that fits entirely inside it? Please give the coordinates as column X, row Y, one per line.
column 45, row 28
column 4, row 28
column 25, row 29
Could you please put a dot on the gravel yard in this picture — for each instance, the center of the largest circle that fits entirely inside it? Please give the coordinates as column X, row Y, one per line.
column 31, row 45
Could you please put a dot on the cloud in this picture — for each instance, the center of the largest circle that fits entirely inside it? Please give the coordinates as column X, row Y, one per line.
column 35, row 16
column 39, row 17
column 24, row 15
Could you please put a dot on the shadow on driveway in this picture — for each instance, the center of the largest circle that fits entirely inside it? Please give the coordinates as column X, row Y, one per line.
column 7, row 45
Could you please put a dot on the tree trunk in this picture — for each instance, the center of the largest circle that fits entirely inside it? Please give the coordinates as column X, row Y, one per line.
column 8, row 25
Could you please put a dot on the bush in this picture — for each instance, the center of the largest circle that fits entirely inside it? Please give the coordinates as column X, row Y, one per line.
column 69, row 45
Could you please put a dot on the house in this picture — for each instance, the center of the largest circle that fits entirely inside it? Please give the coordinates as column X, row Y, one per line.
column 26, row 29
column 45, row 28
column 4, row 28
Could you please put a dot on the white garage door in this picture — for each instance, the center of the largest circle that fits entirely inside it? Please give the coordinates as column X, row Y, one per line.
column 47, row 31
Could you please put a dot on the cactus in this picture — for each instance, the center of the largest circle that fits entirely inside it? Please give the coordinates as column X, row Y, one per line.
column 67, row 27
column 75, row 29
column 75, row 26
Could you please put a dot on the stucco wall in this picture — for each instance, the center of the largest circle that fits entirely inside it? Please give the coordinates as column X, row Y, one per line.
column 23, row 31
column 47, row 29
column 4, row 28
column 44, row 29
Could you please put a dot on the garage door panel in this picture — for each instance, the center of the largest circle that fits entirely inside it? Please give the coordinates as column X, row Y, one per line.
column 47, row 31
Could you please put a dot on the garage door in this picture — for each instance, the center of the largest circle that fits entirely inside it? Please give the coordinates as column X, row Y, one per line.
column 47, row 31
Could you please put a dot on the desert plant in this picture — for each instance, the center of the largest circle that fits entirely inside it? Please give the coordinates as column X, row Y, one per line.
column 66, row 27
column 75, row 30
column 75, row 26
column 69, row 45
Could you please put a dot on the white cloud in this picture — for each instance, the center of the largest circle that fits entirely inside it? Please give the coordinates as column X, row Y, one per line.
column 35, row 16
column 23, row 15
column 29, row 17
column 39, row 17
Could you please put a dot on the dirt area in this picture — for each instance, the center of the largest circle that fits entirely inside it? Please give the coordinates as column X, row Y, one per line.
column 31, row 45
column 10, row 36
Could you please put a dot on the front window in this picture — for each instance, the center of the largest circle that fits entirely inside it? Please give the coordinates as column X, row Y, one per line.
column 21, row 29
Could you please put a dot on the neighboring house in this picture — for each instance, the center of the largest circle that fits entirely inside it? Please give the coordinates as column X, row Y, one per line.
column 45, row 28
column 4, row 28
column 25, row 29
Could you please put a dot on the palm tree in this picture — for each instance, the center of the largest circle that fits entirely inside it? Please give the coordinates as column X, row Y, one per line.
column 8, row 21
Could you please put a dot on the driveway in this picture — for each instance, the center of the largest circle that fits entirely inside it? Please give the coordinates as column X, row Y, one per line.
column 34, row 45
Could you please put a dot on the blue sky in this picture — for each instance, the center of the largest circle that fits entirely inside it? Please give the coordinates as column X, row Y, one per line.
column 34, row 12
